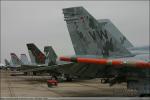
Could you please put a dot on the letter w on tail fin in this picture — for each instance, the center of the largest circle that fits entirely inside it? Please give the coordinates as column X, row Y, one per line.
column 90, row 37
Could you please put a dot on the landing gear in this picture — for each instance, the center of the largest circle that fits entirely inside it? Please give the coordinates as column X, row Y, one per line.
column 25, row 73
column 145, row 95
column 53, row 77
column 68, row 79
column 34, row 73
column 105, row 80
column 141, row 85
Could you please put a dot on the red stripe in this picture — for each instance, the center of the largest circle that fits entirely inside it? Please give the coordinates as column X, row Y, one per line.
column 92, row 60
column 65, row 58
column 116, row 63
column 142, row 65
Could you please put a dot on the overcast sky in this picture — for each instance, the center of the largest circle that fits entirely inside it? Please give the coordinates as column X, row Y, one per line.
column 42, row 23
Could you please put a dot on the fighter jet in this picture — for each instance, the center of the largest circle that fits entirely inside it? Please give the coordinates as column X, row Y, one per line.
column 113, row 45
column 103, row 51
column 14, row 63
column 38, row 57
column 40, row 60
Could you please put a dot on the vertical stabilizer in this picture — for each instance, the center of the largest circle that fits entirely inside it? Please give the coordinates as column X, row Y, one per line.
column 24, row 59
column 32, row 58
column 111, row 28
column 89, row 37
column 15, row 60
column 35, row 54
column 50, row 55
column 7, row 62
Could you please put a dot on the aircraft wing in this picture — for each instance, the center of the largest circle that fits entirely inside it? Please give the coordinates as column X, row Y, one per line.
column 92, row 67
column 27, row 67
column 55, row 68
column 73, row 69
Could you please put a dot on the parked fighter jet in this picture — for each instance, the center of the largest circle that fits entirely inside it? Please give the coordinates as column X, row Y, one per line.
column 105, row 52
column 14, row 63
column 39, row 59
column 80, row 49
column 101, row 51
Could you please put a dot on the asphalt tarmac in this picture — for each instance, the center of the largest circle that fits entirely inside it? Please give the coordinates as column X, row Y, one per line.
column 13, row 84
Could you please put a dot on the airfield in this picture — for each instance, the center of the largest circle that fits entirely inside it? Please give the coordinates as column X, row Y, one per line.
column 15, row 84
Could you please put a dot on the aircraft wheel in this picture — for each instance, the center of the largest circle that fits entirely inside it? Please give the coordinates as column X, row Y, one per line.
column 104, row 80
column 145, row 95
column 25, row 73
column 34, row 73
column 68, row 79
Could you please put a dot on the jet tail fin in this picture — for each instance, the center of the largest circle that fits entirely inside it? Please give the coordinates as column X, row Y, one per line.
column 7, row 62
column 24, row 59
column 35, row 54
column 89, row 37
column 115, row 32
column 50, row 55
column 15, row 60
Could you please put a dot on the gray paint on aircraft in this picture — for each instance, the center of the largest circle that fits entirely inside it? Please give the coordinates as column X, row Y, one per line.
column 90, row 37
